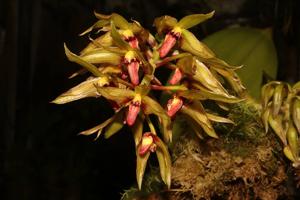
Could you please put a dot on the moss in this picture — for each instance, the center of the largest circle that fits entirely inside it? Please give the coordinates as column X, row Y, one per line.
column 244, row 163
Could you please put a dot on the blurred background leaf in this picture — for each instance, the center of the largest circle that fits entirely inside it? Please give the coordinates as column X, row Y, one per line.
column 252, row 48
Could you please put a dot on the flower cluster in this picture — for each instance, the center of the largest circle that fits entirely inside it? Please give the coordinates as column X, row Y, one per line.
column 124, row 59
column 281, row 110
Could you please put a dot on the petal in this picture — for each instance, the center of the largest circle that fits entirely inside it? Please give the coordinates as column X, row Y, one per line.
column 77, row 59
column 192, row 20
column 191, row 44
column 197, row 113
column 169, row 42
column 164, row 23
column 117, row 19
column 98, row 56
column 150, row 106
column 164, row 160
column 83, row 90
column 141, row 163
column 174, row 106
column 99, row 24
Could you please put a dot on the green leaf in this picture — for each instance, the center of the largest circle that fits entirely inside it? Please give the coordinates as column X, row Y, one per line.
column 192, row 20
column 248, row 47
column 115, row 126
column 74, row 58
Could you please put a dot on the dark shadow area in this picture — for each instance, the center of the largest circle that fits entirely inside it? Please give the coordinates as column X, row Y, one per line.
column 42, row 155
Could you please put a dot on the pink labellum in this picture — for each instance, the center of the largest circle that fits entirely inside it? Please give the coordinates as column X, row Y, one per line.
column 177, row 76
column 169, row 42
column 147, row 143
column 133, row 71
column 133, row 111
column 134, row 43
column 174, row 106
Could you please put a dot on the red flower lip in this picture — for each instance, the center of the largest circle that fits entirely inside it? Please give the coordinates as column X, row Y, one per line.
column 133, row 42
column 147, row 143
column 177, row 76
column 168, row 44
column 133, row 111
column 173, row 106
column 133, row 71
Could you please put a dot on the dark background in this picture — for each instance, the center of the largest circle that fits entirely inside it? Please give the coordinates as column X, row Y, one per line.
column 41, row 155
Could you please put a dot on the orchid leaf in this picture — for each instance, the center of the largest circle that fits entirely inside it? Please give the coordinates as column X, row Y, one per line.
column 74, row 58
column 83, row 90
column 255, row 51
column 192, row 20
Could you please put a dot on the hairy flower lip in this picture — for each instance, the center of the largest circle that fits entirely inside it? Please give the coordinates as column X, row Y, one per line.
column 174, row 105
